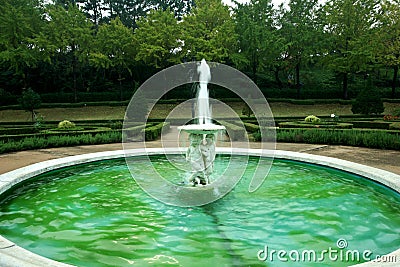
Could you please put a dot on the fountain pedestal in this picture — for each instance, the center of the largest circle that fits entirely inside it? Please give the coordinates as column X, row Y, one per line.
column 201, row 151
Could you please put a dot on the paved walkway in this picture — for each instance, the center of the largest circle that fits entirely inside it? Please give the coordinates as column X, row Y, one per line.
column 384, row 159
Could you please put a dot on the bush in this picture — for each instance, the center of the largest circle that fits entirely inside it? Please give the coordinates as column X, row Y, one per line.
column 251, row 128
column 302, row 124
column 153, row 132
column 117, row 125
column 312, row 119
column 40, row 142
column 371, row 124
column 30, row 101
column 395, row 126
column 235, row 132
column 66, row 124
column 368, row 102
column 19, row 130
column 371, row 139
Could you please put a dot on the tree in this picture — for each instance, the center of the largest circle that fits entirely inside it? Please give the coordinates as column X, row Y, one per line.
column 209, row 32
column 368, row 102
column 259, row 46
column 128, row 11
column 298, row 26
column 178, row 7
column 386, row 39
column 19, row 23
column 113, row 48
column 30, row 101
column 93, row 10
column 346, row 22
column 68, row 33
column 158, row 39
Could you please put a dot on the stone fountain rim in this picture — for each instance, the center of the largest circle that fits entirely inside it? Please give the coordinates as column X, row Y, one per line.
column 207, row 128
column 13, row 255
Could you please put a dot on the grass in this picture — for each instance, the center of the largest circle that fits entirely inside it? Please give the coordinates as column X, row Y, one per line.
column 279, row 109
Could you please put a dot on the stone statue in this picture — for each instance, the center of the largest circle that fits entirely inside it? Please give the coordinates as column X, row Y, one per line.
column 207, row 148
column 194, row 156
column 201, row 155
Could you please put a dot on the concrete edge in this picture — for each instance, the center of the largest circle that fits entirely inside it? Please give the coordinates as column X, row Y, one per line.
column 11, row 255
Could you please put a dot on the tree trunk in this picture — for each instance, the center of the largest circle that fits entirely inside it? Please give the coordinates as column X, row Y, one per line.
column 74, row 66
column 254, row 69
column 74, row 82
column 278, row 81
column 298, row 84
column 395, row 74
column 120, row 85
column 345, row 86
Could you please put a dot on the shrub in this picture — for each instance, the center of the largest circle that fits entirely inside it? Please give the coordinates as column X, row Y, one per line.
column 371, row 124
column 117, row 125
column 368, row 102
column 235, row 132
column 395, row 126
column 153, row 132
column 66, row 124
column 250, row 127
column 40, row 142
column 389, row 117
column 302, row 124
column 30, row 101
column 362, row 138
column 312, row 119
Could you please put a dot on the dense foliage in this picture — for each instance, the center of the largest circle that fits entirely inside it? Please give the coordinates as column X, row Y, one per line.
column 305, row 49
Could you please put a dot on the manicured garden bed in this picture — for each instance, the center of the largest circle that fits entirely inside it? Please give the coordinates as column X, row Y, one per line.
column 303, row 124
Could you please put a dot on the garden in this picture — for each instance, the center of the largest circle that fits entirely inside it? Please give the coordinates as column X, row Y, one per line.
column 36, row 125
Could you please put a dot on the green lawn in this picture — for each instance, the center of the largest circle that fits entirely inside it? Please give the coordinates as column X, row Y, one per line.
column 163, row 110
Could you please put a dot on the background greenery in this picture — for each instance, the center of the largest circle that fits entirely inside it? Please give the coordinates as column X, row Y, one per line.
column 100, row 50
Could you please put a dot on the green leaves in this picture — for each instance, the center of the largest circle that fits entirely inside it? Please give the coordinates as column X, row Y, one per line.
column 209, row 32
column 158, row 39
column 113, row 46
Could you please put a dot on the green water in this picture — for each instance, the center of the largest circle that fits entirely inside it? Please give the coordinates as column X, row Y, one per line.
column 95, row 215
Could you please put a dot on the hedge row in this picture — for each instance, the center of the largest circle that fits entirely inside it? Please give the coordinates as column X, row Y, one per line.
column 234, row 131
column 360, row 138
column 47, row 134
column 63, row 103
column 153, row 132
column 302, row 124
column 40, row 142
column 372, row 124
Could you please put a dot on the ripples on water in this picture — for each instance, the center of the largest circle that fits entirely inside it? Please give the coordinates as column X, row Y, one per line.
column 96, row 215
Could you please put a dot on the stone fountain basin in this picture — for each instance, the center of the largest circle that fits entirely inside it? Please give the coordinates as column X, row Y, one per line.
column 13, row 255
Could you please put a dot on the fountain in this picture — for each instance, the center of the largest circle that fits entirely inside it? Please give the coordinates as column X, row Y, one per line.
column 201, row 151
column 86, row 210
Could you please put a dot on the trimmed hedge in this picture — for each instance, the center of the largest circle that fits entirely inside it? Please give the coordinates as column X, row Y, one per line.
column 132, row 132
column 302, row 124
column 18, row 130
column 394, row 126
column 40, row 142
column 234, row 131
column 251, row 128
column 362, row 138
column 371, row 124
column 154, row 132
